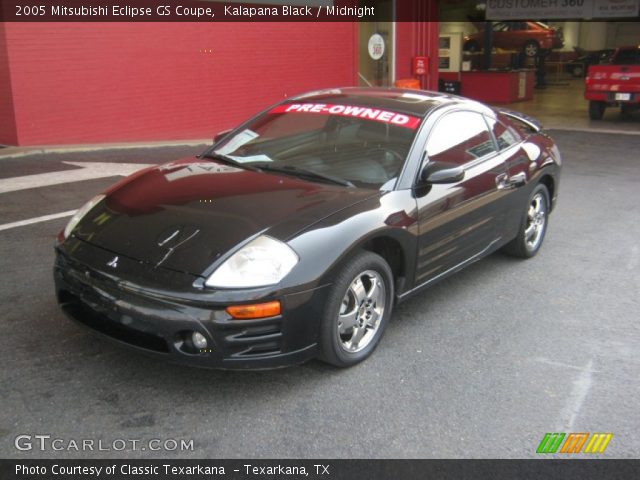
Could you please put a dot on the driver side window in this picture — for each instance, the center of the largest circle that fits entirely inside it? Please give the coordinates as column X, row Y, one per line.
column 459, row 138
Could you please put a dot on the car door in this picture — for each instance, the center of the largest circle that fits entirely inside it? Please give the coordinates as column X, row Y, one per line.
column 459, row 222
column 517, row 164
column 500, row 34
column 519, row 34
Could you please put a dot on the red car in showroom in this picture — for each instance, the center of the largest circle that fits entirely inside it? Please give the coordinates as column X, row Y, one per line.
column 528, row 37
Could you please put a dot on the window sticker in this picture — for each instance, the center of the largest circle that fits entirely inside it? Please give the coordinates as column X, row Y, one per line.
column 252, row 158
column 237, row 141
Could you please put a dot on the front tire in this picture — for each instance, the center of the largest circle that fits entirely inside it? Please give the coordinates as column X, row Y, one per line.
column 533, row 225
column 531, row 48
column 357, row 310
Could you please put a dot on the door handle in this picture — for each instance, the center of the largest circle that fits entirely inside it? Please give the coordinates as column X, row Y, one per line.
column 518, row 180
column 504, row 181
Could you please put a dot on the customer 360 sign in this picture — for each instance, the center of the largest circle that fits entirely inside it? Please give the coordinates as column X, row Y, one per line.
column 555, row 9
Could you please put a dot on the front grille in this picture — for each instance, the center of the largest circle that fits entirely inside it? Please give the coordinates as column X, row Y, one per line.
column 77, row 310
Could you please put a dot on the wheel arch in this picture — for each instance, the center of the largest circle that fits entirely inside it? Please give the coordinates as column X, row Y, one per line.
column 548, row 181
column 390, row 249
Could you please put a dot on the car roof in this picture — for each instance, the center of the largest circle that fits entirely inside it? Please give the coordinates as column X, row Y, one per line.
column 412, row 102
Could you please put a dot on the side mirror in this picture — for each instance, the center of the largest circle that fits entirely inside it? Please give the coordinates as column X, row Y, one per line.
column 220, row 135
column 441, row 172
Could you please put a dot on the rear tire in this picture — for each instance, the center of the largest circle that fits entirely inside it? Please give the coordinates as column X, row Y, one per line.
column 357, row 310
column 577, row 71
column 596, row 110
column 626, row 111
column 533, row 225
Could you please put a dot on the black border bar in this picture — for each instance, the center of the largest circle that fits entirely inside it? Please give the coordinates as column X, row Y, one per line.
column 322, row 469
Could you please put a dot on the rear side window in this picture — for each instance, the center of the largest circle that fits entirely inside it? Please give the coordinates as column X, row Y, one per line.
column 505, row 136
column 627, row 57
column 523, row 129
column 459, row 138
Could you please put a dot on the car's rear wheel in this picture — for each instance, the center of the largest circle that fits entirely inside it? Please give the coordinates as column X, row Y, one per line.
column 577, row 70
column 596, row 110
column 357, row 311
column 626, row 111
column 531, row 48
column 533, row 225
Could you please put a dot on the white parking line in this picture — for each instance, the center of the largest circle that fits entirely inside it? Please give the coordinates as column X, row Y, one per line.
column 43, row 218
column 88, row 171
column 581, row 386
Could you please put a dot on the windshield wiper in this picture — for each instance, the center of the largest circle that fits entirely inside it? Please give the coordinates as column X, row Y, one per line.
column 304, row 172
column 226, row 159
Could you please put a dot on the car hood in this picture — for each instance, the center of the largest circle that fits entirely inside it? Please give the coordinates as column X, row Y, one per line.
column 186, row 214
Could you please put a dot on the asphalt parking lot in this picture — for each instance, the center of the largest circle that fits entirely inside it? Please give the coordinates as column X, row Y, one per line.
column 481, row 365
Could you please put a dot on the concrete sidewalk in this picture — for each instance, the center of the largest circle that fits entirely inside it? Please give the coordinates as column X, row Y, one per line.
column 16, row 152
column 561, row 106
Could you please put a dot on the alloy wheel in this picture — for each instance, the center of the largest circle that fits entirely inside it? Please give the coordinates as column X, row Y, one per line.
column 361, row 311
column 536, row 221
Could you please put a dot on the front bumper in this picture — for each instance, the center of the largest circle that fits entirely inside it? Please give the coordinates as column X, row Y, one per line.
column 161, row 322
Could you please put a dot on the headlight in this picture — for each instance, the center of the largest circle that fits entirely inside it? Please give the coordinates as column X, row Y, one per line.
column 81, row 213
column 263, row 261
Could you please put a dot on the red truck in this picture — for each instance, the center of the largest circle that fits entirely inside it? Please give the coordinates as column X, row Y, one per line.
column 616, row 84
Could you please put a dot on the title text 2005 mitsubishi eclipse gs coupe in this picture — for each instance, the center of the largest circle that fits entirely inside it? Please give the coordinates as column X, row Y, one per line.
column 294, row 235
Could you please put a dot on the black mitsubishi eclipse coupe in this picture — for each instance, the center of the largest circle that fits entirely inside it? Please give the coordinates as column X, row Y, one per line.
column 295, row 234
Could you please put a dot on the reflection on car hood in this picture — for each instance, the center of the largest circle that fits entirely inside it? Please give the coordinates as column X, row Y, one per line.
column 186, row 214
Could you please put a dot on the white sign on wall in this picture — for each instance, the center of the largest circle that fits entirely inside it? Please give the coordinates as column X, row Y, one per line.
column 376, row 46
column 557, row 9
column 616, row 8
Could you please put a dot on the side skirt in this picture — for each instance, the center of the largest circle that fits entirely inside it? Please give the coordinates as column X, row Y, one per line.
column 492, row 247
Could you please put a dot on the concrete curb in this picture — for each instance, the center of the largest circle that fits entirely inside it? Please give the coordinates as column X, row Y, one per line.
column 17, row 152
column 593, row 130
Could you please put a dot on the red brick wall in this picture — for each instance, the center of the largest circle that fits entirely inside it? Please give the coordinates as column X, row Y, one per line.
column 112, row 82
column 119, row 82
column 7, row 120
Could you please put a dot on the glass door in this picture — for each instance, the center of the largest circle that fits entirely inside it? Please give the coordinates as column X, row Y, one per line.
column 376, row 47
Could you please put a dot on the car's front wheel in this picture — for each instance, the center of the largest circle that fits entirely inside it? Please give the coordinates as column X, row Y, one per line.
column 533, row 225
column 531, row 48
column 357, row 311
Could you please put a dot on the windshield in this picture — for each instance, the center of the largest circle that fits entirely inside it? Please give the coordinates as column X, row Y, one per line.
column 352, row 145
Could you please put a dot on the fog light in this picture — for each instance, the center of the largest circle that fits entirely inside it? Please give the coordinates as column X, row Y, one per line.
column 198, row 340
